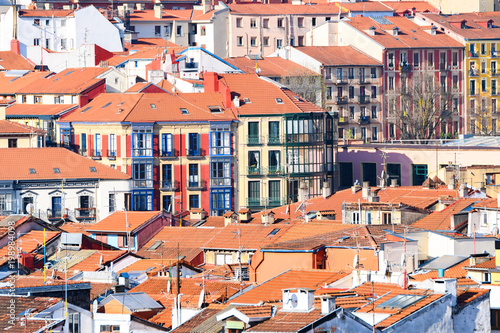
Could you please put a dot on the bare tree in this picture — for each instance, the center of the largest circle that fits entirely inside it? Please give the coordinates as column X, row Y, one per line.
column 483, row 121
column 306, row 84
column 420, row 106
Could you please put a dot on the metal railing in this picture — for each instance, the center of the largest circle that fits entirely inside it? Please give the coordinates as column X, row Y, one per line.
column 254, row 139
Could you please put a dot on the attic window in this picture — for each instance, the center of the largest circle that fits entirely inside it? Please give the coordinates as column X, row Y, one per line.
column 105, row 106
column 278, row 101
column 32, row 171
column 120, row 103
column 155, row 246
column 153, row 106
column 93, row 169
column 68, row 73
column 56, row 170
column 215, row 109
column 184, row 111
column 298, row 98
column 86, row 109
column 274, row 232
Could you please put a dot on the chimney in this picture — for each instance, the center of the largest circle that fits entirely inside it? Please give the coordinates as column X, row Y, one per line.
column 139, row 6
column 244, row 214
column 355, row 188
column 207, row 5
column 226, row 92
column 373, row 198
column 327, row 304
column 303, row 191
column 14, row 46
column 365, row 190
column 447, row 286
column 372, row 31
column 451, row 182
column 158, row 8
column 463, row 191
column 395, row 31
column 327, row 191
column 267, row 218
column 230, row 217
column 197, row 214
column 129, row 8
column 48, row 6
column 211, row 82
column 433, row 30
column 236, row 102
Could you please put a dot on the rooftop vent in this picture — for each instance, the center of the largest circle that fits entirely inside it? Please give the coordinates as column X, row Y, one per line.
column 184, row 111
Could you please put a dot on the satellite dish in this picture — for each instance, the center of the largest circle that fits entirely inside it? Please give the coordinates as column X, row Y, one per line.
column 401, row 280
column 403, row 259
column 257, row 70
column 30, row 208
column 293, row 300
column 495, row 231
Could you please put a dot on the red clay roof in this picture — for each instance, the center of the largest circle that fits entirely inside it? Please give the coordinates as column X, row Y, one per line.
column 270, row 291
column 167, row 15
column 339, row 56
column 17, row 163
column 411, row 35
column 271, row 67
column 69, row 81
column 403, row 7
column 36, row 306
column 456, row 271
column 117, row 222
column 94, row 262
column 474, row 30
column 12, row 127
column 10, row 85
column 287, row 321
column 367, row 6
column 39, row 109
column 10, row 60
column 46, row 13
column 490, row 264
column 441, row 220
column 29, row 242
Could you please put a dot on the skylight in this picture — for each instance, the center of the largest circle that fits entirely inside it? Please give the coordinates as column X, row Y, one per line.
column 155, row 246
column 93, row 169
column 153, row 106
column 215, row 109
column 56, row 170
column 184, row 111
column 121, row 103
column 400, row 301
column 32, row 171
column 68, row 73
column 105, row 106
column 278, row 101
column 86, row 109
column 274, row 232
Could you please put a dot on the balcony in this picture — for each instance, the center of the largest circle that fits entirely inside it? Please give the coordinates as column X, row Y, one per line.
column 195, row 154
column 341, row 80
column 364, row 99
column 494, row 72
column 473, row 54
column 95, row 154
column 254, row 171
column 341, row 100
column 172, row 185
column 365, row 120
column 363, row 80
column 85, row 213
column 276, row 201
column 197, row 185
column 494, row 53
column 83, row 151
column 444, row 67
column 254, row 140
column 274, row 140
column 169, row 154
column 274, row 170
column 255, row 202
column 473, row 72
column 111, row 154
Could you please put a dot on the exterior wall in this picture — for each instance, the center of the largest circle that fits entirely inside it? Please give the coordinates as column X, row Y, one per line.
column 220, row 33
column 325, row 34
column 474, row 317
column 465, row 6
column 91, row 27
column 483, row 221
column 210, row 256
column 6, row 26
column 47, row 123
column 341, row 259
column 376, row 216
column 347, row 35
column 289, row 30
column 275, row 263
column 47, row 98
column 204, row 62
column 26, row 141
column 395, row 251
column 415, row 154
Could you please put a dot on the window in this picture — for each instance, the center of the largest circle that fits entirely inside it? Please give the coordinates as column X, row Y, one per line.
column 301, row 41
column 167, row 177
column 374, row 91
column 391, row 83
column 194, row 144
column 38, row 99
column 279, row 43
column 142, row 142
column 483, row 85
column 26, row 202
column 47, row 22
column 292, row 41
column 220, row 172
column 483, row 67
column 5, row 203
column 97, row 145
column 142, row 200
column 56, row 207
column 351, row 91
column 274, row 195
column 416, row 59
column 266, row 41
column 194, row 201
column 329, row 92
column 374, row 133
column 355, row 217
column 386, row 218
column 111, row 202
column 253, row 193
column 157, row 31
column 74, row 323
column 280, row 23
column 193, row 175
column 419, row 174
column 490, row 179
column 274, row 132
column 253, row 133
column 393, row 172
column 373, row 73
column 142, row 174
column 203, row 31
column 112, row 145
column 483, row 48
column 167, row 203
column 36, row 22
column 66, row 137
column 239, row 41
column 253, row 41
column 58, row 99
column 254, row 162
column 374, row 112
column 220, row 143
column 253, row 23
column 274, row 162
column 300, row 22
column 220, row 201
column 83, row 146
column 350, row 73
column 493, row 87
column 352, row 111
column 167, row 144
column 47, row 43
column 63, row 22
column 179, row 30
column 64, row 44
column 110, row 328
column 239, row 22
column 454, row 58
column 472, row 87
column 313, row 21
column 390, row 61
column 12, row 143
column 265, row 23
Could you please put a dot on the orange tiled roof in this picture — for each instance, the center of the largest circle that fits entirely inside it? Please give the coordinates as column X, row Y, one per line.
column 19, row 161
column 490, row 264
column 441, row 220
column 29, row 242
column 271, row 67
column 12, row 127
column 46, row 13
column 263, row 95
column 167, row 15
column 94, row 262
column 457, row 271
column 145, row 265
column 118, row 220
column 39, row 109
column 474, row 29
column 69, row 81
column 339, row 56
column 467, row 295
column 10, row 60
column 400, row 7
column 487, row 203
column 270, row 291
column 10, row 85
column 368, row 6
column 75, row 227
column 411, row 34
column 36, row 306
column 287, row 321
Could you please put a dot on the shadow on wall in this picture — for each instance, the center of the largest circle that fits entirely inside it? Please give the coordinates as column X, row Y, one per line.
column 368, row 166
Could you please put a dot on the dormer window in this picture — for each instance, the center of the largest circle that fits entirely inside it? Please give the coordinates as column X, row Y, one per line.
column 395, row 31
column 153, row 106
column 279, row 101
column 463, row 25
column 32, row 171
column 184, row 111
column 215, row 109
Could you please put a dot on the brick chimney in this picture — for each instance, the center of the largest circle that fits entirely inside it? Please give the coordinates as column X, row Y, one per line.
column 211, row 82
column 14, row 46
column 226, row 93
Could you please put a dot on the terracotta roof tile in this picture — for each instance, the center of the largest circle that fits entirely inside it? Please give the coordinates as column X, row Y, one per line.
column 490, row 264
column 17, row 163
column 338, row 55
column 10, row 85
column 467, row 295
column 75, row 227
column 271, row 67
column 474, row 29
column 46, row 13
column 441, row 220
column 368, row 6
column 457, row 271
column 39, row 109
column 10, row 60
column 150, row 265
column 94, row 262
column 271, row 290
column 118, row 220
column 287, row 321
column 12, row 127
column 36, row 304
column 29, row 242
column 403, row 7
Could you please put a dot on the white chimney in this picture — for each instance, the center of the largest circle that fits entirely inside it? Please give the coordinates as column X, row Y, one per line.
column 447, row 286
column 303, row 191
column 197, row 214
column 327, row 304
column 394, row 182
column 365, row 190
column 395, row 31
column 299, row 299
column 372, row 31
column 327, row 191
column 463, row 191
column 451, row 182
column 267, row 218
column 355, row 188
column 2, row 112
column 230, row 217
column 244, row 214
column 158, row 7
column 236, row 102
